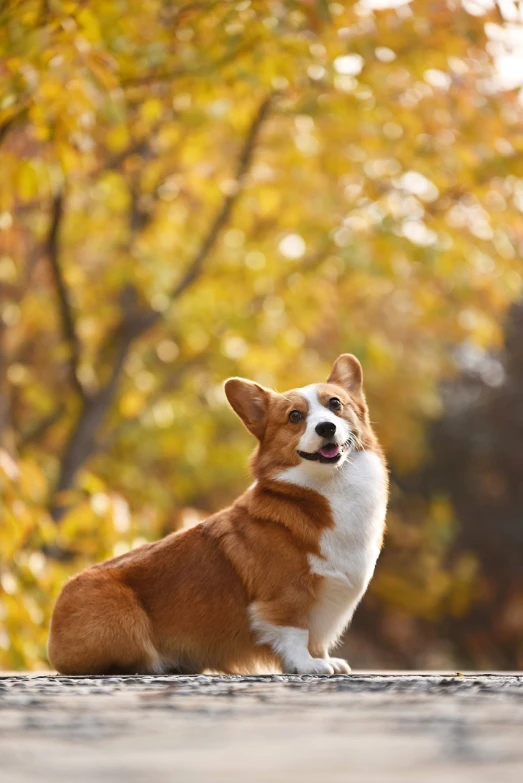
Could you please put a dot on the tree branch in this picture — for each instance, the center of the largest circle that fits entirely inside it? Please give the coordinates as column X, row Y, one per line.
column 147, row 79
column 196, row 265
column 64, row 303
column 7, row 125
column 244, row 161
column 41, row 427
column 82, row 441
column 172, row 382
column 135, row 322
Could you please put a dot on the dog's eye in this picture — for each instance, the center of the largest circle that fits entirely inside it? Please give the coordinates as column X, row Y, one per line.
column 334, row 404
column 295, row 417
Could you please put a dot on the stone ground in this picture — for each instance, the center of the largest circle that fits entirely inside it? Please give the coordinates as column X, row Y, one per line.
column 379, row 728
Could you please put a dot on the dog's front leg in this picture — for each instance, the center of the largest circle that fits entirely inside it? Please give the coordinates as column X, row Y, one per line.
column 282, row 628
column 339, row 665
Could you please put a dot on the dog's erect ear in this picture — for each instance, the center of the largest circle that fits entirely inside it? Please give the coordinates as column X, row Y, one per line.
column 346, row 372
column 251, row 402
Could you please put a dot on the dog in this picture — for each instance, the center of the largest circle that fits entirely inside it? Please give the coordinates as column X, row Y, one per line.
column 268, row 584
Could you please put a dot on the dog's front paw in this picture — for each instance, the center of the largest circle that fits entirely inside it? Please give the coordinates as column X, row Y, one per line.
column 314, row 666
column 340, row 665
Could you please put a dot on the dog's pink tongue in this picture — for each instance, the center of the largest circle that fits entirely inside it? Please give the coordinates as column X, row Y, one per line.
column 330, row 450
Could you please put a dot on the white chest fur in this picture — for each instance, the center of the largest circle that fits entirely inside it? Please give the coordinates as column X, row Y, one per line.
column 357, row 494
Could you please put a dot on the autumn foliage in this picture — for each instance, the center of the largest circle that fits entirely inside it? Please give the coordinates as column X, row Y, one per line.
column 195, row 190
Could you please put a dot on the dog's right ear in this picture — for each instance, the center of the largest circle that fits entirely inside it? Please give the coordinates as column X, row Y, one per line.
column 251, row 402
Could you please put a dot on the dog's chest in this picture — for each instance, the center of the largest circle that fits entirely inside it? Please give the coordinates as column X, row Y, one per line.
column 350, row 547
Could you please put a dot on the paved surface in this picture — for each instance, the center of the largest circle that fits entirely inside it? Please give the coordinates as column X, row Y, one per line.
column 379, row 728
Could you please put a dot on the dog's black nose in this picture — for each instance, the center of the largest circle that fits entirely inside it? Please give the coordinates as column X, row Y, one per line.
column 326, row 429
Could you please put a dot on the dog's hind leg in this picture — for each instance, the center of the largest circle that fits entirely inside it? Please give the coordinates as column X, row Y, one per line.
column 99, row 627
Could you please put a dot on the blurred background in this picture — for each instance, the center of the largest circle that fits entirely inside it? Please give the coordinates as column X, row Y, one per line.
column 195, row 190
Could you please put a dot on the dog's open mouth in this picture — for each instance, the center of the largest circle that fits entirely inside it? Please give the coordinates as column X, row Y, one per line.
column 329, row 452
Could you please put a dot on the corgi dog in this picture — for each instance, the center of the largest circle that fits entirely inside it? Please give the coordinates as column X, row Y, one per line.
column 269, row 583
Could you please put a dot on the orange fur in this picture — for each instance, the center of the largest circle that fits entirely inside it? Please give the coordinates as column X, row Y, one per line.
column 181, row 604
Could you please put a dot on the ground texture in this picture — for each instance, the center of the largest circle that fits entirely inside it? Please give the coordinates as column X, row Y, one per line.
column 361, row 727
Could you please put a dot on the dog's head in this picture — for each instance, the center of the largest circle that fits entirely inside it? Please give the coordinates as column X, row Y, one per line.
column 317, row 425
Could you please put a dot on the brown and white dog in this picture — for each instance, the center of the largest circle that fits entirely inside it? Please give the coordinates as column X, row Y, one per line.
column 270, row 582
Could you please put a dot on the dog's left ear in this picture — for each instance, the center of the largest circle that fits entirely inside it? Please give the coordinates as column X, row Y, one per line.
column 251, row 402
column 346, row 372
